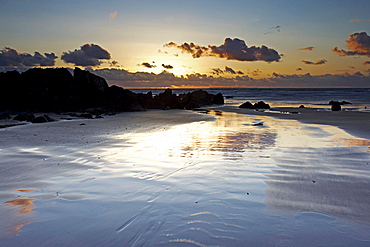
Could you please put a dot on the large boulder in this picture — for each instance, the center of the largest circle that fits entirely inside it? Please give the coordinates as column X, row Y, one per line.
column 258, row 105
column 247, row 105
column 86, row 78
column 335, row 106
column 23, row 116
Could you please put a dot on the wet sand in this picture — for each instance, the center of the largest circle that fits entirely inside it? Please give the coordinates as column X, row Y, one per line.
column 354, row 122
column 179, row 178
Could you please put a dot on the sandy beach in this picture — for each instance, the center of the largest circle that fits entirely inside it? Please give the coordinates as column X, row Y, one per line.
column 182, row 178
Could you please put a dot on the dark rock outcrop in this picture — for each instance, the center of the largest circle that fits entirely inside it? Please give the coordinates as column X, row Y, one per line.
column 335, row 106
column 258, row 105
column 56, row 90
column 42, row 119
column 247, row 105
column 24, row 117
column 331, row 102
column 4, row 115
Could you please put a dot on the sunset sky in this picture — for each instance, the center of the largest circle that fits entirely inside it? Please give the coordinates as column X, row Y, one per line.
column 316, row 43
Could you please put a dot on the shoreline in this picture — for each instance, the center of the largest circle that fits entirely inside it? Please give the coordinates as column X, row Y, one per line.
column 353, row 122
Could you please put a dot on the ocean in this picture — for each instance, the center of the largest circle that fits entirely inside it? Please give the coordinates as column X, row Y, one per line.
column 287, row 97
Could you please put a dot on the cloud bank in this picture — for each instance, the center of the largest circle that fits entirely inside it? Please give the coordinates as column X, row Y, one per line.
column 128, row 79
column 231, row 49
column 88, row 55
column 11, row 57
column 357, row 44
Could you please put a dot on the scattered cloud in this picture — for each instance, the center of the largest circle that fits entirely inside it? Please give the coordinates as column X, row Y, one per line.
column 256, row 72
column 114, row 63
column 299, row 69
column 358, row 20
column 366, row 63
column 218, row 71
column 319, row 62
column 167, row 66
column 230, row 70
column 113, row 16
column 148, row 65
column 88, row 55
column 310, row 48
column 12, row 58
column 357, row 44
column 231, row 49
column 277, row 28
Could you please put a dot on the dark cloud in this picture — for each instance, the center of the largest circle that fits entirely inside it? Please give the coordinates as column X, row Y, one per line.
column 87, row 55
column 148, row 65
column 319, row 62
column 218, row 71
column 298, row 69
column 167, row 66
column 11, row 57
column 231, row 49
column 357, row 44
column 366, row 62
column 310, row 48
column 230, row 70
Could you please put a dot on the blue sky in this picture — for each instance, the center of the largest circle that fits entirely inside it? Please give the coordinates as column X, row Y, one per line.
column 135, row 32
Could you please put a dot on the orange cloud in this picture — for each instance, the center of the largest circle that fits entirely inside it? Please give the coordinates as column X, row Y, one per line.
column 357, row 43
column 310, row 48
column 113, row 15
column 231, row 49
column 319, row 62
column 357, row 20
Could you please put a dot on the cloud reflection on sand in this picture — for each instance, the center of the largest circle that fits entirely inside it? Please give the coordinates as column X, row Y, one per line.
column 24, row 206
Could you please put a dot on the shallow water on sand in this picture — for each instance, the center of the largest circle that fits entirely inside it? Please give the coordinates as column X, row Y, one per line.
column 236, row 181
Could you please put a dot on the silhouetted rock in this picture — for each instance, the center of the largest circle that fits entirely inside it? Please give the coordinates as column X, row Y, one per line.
column 218, row 99
column 302, row 106
column 86, row 115
column 24, row 117
column 261, row 105
column 4, row 115
column 42, row 119
column 335, row 106
column 56, row 90
column 247, row 105
column 331, row 102
column 258, row 105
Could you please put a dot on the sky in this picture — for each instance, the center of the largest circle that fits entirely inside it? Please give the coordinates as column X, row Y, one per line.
column 203, row 43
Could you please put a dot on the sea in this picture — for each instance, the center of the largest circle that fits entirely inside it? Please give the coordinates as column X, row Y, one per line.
column 287, row 97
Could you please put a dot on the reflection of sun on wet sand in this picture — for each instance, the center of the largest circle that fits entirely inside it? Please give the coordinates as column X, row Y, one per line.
column 160, row 178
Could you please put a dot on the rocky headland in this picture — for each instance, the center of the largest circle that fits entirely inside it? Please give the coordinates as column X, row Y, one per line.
column 57, row 90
